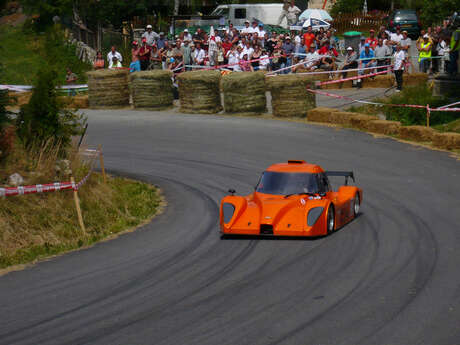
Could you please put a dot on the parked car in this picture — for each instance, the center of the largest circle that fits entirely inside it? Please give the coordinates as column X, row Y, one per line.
column 407, row 20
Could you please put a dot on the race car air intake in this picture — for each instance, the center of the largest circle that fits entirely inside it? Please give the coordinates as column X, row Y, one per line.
column 313, row 215
column 228, row 210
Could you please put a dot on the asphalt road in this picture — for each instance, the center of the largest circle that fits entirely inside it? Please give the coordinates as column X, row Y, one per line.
column 391, row 277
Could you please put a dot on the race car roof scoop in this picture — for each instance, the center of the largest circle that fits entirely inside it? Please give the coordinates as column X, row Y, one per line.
column 295, row 161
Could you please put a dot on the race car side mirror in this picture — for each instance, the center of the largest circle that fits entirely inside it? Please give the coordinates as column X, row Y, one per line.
column 232, row 191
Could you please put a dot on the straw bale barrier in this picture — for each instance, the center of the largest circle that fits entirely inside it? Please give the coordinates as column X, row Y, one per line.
column 341, row 117
column 290, row 96
column 361, row 121
column 414, row 79
column 199, row 92
column 320, row 114
column 244, row 92
column 447, row 140
column 21, row 97
column 80, row 101
column 417, row 133
column 152, row 89
column 108, row 88
column 384, row 127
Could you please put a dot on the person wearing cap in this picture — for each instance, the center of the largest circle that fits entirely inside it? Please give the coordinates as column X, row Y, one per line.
column 261, row 31
column 288, row 48
column 367, row 60
column 187, row 36
column 186, row 51
column 144, row 55
column 161, row 41
column 292, row 13
column 254, row 27
column 424, row 56
column 199, row 55
column 135, row 65
column 351, row 61
column 396, row 38
column 150, row 35
column 312, row 59
column 382, row 53
column 398, row 66
column 233, row 57
column 361, row 44
column 247, row 28
column 371, row 39
column 115, row 63
column 113, row 52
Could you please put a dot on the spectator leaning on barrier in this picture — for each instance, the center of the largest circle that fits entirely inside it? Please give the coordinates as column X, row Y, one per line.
column 135, row 64
column 361, row 44
column 424, row 56
column 382, row 53
column 366, row 60
column 113, row 52
column 398, row 67
column 313, row 59
column 144, row 55
column 351, row 62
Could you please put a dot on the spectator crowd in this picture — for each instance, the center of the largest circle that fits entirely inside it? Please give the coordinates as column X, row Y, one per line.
column 253, row 48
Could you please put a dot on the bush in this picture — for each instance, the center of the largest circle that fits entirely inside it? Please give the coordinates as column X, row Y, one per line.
column 420, row 95
column 43, row 120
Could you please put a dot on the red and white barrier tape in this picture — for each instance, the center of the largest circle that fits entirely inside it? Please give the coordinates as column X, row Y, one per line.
column 353, row 78
column 381, row 104
column 49, row 187
column 346, row 70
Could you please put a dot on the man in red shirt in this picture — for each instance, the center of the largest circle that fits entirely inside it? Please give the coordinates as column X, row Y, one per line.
column 308, row 37
column 326, row 49
column 372, row 40
column 144, row 55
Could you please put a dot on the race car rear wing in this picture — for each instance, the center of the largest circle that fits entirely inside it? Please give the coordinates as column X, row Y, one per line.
column 345, row 174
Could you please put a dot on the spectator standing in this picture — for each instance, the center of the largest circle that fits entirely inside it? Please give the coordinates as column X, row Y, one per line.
column 406, row 42
column 112, row 53
column 135, row 65
column 313, row 59
column 308, row 37
column 247, row 29
column 396, row 38
column 161, row 41
column 454, row 49
column 262, row 32
column 70, row 79
column 199, row 56
column 99, row 62
column 150, row 35
column 361, row 44
column 288, row 48
column 443, row 53
column 212, row 51
column 115, row 63
column 144, row 55
column 186, row 53
column 233, row 57
column 371, row 39
column 435, row 37
column 155, row 57
column 382, row 53
column 424, row 56
column 292, row 13
column 247, row 49
column 187, row 36
column 284, row 12
column 256, row 56
column 245, row 65
column 264, row 60
column 271, row 43
column 398, row 68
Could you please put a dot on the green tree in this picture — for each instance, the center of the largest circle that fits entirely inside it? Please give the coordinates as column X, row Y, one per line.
column 434, row 11
column 47, row 9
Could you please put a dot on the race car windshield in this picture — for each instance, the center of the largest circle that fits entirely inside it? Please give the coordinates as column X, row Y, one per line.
column 287, row 183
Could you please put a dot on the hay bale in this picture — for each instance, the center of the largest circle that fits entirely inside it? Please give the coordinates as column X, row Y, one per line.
column 415, row 79
column 384, row 127
column 417, row 133
column 380, row 81
column 108, row 88
column 152, row 89
column 244, row 92
column 21, row 98
column 320, row 114
column 199, row 92
column 79, row 102
column 341, row 117
column 447, row 140
column 290, row 96
column 361, row 121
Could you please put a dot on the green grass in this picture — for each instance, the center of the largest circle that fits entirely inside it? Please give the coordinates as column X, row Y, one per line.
column 453, row 126
column 22, row 55
column 37, row 226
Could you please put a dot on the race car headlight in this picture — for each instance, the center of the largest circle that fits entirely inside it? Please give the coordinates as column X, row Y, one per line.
column 313, row 215
column 228, row 210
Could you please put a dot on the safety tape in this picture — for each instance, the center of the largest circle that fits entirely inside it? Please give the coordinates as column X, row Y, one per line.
column 380, row 104
column 352, row 78
column 449, row 105
column 24, row 88
column 346, row 70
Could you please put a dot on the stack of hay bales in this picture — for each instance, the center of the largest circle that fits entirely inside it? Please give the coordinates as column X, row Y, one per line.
column 108, row 88
column 79, row 101
column 384, row 127
column 290, row 96
column 417, row 133
column 199, row 92
column 320, row 114
column 152, row 89
column 244, row 92
column 447, row 140
column 361, row 121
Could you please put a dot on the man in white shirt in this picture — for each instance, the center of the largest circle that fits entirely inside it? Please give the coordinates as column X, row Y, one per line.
column 399, row 62
column 247, row 49
column 247, row 29
column 292, row 12
column 261, row 31
column 313, row 59
column 264, row 60
column 396, row 38
column 150, row 35
column 198, row 55
column 113, row 52
column 187, row 36
column 254, row 27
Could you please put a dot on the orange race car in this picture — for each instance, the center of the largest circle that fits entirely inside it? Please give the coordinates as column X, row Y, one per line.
column 291, row 199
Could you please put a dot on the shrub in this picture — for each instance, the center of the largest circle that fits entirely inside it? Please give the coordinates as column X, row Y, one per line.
column 420, row 95
column 43, row 119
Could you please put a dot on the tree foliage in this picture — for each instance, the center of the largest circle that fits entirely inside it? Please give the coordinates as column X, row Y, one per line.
column 434, row 11
column 47, row 9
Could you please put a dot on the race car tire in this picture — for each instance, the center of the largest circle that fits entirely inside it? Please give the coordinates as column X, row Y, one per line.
column 330, row 223
column 356, row 205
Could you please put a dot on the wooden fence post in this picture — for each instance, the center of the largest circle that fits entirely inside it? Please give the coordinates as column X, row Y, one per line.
column 101, row 159
column 77, row 206
column 428, row 115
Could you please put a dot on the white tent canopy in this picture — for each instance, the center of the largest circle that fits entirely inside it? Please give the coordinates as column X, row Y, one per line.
column 315, row 13
column 316, row 24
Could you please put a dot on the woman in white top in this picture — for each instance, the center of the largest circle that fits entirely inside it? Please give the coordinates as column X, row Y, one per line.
column 399, row 62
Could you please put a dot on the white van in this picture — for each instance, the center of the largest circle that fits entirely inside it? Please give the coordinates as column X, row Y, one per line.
column 238, row 14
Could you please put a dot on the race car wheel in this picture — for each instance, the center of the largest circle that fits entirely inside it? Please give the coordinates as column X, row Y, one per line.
column 330, row 219
column 356, row 205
